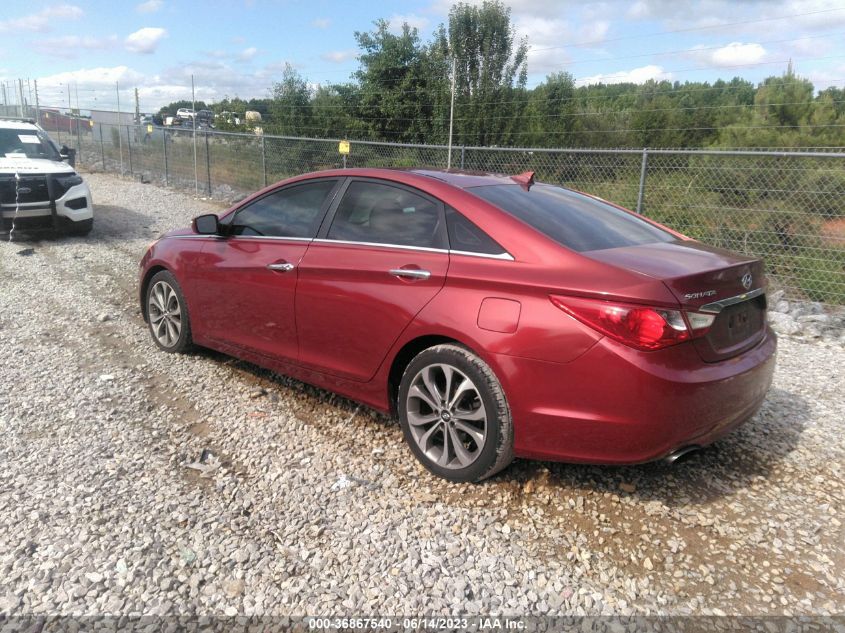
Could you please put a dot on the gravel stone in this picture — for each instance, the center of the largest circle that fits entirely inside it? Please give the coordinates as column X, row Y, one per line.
column 100, row 513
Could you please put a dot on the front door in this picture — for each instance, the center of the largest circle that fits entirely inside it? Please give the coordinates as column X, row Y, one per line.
column 247, row 290
column 383, row 257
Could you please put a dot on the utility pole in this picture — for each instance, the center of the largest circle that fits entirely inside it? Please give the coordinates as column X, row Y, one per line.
column 78, row 114
column 194, row 108
column 37, row 106
column 20, row 101
column 119, row 131
column 5, row 103
column 137, row 107
column 451, row 114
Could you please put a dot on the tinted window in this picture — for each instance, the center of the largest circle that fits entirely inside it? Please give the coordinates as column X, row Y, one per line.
column 292, row 212
column 371, row 212
column 572, row 219
column 466, row 236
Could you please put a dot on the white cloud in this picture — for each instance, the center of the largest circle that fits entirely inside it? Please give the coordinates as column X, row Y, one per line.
column 636, row 76
column 69, row 46
column 338, row 57
column 102, row 77
column 43, row 20
column 321, row 23
column 247, row 54
column 411, row 19
column 150, row 6
column 733, row 54
column 145, row 40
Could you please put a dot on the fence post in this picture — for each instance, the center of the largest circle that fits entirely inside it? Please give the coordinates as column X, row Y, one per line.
column 208, row 163
column 102, row 147
column 643, row 170
column 164, row 144
column 78, row 139
column 463, row 155
column 263, row 162
column 129, row 148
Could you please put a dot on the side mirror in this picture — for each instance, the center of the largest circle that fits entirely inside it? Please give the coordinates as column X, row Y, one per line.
column 68, row 154
column 207, row 224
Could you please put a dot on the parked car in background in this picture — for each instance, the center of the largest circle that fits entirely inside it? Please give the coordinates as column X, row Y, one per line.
column 495, row 316
column 205, row 117
column 185, row 113
column 39, row 190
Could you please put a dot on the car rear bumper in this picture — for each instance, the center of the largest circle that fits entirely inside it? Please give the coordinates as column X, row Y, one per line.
column 616, row 405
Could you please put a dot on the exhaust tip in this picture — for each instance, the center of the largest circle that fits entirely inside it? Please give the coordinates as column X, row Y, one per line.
column 681, row 454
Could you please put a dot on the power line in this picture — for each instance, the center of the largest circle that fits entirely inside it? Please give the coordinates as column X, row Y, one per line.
column 691, row 29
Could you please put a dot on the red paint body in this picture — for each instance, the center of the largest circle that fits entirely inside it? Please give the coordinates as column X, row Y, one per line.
column 339, row 321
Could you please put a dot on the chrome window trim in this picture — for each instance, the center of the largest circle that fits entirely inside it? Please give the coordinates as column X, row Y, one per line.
column 426, row 249
column 717, row 306
column 502, row 256
column 402, row 246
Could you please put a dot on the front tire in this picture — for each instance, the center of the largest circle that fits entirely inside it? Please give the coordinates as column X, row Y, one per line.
column 167, row 313
column 454, row 414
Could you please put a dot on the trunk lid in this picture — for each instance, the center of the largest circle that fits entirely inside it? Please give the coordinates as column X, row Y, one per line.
column 700, row 277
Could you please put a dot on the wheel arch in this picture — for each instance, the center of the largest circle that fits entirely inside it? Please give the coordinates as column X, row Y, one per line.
column 145, row 282
column 405, row 355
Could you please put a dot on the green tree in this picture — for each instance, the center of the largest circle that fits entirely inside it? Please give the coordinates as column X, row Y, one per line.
column 491, row 70
column 291, row 105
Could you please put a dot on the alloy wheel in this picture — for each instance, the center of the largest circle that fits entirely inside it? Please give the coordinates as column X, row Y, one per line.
column 165, row 314
column 446, row 416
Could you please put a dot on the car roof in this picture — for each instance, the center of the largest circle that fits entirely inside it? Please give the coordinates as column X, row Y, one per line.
column 12, row 124
column 464, row 179
column 459, row 179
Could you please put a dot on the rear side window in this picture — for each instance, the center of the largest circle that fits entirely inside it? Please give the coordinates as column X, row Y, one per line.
column 292, row 212
column 372, row 212
column 574, row 220
column 467, row 237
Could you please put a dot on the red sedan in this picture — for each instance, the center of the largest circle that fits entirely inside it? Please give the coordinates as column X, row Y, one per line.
column 494, row 316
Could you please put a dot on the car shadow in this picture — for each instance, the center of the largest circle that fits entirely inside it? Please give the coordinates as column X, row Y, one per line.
column 749, row 454
column 286, row 387
column 111, row 223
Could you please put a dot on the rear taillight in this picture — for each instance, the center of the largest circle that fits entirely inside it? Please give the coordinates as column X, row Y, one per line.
column 642, row 327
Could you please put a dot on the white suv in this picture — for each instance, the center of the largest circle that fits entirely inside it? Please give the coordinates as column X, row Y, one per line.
column 38, row 189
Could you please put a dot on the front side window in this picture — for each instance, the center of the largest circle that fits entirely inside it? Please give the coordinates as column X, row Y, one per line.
column 292, row 212
column 372, row 212
column 574, row 220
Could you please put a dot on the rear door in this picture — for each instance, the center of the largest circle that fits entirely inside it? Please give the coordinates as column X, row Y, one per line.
column 245, row 296
column 380, row 257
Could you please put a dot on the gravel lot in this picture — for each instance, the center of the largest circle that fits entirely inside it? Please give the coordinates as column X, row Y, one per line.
column 137, row 482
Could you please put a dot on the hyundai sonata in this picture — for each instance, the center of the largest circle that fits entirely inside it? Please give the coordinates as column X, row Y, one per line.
column 494, row 316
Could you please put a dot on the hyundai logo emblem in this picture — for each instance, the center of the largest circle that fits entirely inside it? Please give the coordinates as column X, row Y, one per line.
column 747, row 281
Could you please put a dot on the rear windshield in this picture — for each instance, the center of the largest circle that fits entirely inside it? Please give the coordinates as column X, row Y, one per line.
column 574, row 220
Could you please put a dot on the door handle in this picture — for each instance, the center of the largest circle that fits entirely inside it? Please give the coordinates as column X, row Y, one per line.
column 410, row 273
column 285, row 268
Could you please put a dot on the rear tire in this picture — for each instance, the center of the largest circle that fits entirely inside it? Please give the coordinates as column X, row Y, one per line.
column 454, row 414
column 167, row 314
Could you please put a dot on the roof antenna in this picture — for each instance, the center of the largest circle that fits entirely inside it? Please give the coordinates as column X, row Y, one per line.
column 524, row 180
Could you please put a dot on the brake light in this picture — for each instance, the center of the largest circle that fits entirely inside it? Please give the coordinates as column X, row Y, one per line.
column 642, row 327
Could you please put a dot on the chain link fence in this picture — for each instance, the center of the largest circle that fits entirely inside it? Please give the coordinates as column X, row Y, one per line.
column 787, row 207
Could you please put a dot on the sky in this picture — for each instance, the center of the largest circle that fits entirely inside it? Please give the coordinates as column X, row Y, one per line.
column 240, row 47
